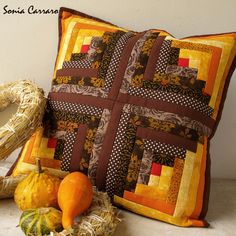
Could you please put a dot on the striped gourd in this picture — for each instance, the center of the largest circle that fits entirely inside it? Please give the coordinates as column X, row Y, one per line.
column 40, row 221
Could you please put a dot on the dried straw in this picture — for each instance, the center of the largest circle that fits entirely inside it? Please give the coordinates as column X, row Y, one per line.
column 100, row 219
column 28, row 117
column 8, row 185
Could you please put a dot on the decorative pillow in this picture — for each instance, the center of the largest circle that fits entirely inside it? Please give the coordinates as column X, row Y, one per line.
column 135, row 112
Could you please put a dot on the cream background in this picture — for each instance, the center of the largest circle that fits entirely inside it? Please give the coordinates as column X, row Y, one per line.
column 28, row 46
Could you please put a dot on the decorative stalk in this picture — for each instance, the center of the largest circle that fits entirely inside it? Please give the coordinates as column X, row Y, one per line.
column 39, row 166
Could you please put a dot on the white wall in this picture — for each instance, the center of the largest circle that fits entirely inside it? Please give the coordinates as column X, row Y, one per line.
column 28, row 46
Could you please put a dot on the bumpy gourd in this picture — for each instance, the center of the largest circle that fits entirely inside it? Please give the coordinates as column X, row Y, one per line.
column 38, row 189
column 74, row 197
column 41, row 221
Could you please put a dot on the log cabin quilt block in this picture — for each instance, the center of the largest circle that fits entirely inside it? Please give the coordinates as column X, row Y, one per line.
column 135, row 112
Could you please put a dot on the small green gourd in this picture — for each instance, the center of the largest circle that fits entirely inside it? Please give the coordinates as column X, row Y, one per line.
column 41, row 221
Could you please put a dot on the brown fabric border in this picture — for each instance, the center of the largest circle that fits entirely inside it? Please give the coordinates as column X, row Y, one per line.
column 208, row 35
column 77, row 72
column 207, row 188
column 84, row 99
column 167, row 138
column 151, row 65
column 78, row 147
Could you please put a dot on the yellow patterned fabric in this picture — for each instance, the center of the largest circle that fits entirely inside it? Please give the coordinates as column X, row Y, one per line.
column 135, row 111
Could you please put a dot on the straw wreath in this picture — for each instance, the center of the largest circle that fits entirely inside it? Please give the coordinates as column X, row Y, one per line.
column 31, row 101
column 101, row 219
column 8, row 185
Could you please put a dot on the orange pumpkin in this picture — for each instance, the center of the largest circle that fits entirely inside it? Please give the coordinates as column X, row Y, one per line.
column 74, row 197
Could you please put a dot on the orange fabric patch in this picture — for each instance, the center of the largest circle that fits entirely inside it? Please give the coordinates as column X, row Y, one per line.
column 150, row 202
column 175, row 181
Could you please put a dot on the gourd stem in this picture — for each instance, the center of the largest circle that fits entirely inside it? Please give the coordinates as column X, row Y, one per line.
column 39, row 167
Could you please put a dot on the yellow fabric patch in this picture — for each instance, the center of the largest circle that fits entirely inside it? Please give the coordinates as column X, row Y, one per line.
column 194, row 63
column 87, row 40
column 150, row 191
column 78, row 44
column 166, row 171
column 164, row 182
column 153, row 180
column 44, row 151
column 152, row 213
column 65, row 43
column 202, row 57
column 185, row 184
column 165, row 178
column 26, row 168
column 192, row 196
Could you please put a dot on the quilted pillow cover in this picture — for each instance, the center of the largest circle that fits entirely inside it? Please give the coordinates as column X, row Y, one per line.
column 135, row 112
